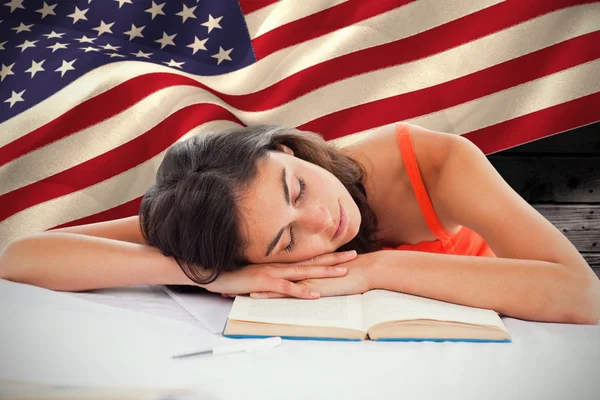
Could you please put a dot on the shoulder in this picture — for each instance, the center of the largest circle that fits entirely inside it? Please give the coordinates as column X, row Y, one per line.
column 380, row 148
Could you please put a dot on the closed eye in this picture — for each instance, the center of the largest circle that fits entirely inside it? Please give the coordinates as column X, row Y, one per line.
column 302, row 188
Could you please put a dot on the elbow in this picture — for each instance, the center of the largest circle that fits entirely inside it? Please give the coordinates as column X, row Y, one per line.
column 591, row 310
column 583, row 306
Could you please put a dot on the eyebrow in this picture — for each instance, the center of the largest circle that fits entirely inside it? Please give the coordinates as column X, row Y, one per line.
column 286, row 193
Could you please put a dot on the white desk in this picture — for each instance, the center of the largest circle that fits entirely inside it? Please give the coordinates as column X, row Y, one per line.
column 544, row 361
column 549, row 361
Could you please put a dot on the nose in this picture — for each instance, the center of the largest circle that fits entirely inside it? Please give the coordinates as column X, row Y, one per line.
column 316, row 219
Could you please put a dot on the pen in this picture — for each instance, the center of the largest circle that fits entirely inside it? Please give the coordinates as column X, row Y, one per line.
column 258, row 345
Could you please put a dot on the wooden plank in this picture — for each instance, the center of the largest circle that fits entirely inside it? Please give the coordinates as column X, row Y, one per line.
column 551, row 179
column 579, row 223
column 584, row 140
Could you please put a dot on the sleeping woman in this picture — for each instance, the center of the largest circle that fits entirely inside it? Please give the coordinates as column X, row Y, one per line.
column 272, row 211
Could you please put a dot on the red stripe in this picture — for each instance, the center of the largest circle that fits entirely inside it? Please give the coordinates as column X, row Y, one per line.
column 321, row 23
column 249, row 6
column 422, row 45
column 448, row 94
column 121, row 211
column 539, row 124
column 91, row 112
column 114, row 162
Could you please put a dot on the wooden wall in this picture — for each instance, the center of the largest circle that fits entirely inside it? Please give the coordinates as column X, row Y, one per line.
column 560, row 177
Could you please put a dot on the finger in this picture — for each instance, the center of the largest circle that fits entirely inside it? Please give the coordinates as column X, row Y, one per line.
column 291, row 289
column 302, row 272
column 330, row 258
column 267, row 295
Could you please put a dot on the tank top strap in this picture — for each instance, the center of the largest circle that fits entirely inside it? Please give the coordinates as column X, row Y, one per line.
column 410, row 162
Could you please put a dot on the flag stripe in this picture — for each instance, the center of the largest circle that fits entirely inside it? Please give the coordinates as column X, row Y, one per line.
column 121, row 211
column 546, row 122
column 283, row 12
column 460, row 90
column 321, row 23
column 249, row 6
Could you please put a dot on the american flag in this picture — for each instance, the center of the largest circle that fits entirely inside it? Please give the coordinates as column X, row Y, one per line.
column 93, row 92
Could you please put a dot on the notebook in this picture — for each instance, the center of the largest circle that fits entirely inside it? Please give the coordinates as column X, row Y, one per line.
column 374, row 315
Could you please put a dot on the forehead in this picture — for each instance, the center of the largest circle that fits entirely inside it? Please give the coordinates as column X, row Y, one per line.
column 262, row 205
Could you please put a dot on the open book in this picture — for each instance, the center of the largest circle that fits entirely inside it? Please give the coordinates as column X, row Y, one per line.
column 374, row 315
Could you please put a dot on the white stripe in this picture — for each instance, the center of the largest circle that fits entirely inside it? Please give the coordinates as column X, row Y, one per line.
column 406, row 21
column 404, row 78
column 98, row 139
column 539, row 94
column 283, row 12
column 100, row 197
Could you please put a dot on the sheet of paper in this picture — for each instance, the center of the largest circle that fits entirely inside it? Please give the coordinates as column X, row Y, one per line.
column 210, row 309
column 383, row 305
column 52, row 337
column 337, row 312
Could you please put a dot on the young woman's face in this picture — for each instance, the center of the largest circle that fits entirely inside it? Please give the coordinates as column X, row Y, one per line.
column 292, row 198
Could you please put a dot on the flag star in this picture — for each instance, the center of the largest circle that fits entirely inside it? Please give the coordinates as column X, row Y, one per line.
column 135, row 32
column 212, row 23
column 110, row 47
column 166, row 40
column 89, row 48
column 121, row 2
column 35, row 67
column 47, row 10
column 85, row 39
column 156, row 9
column 22, row 28
column 78, row 14
column 113, row 55
column 197, row 45
column 222, row 55
column 103, row 28
column 5, row 71
column 53, row 35
column 187, row 13
column 58, row 46
column 26, row 44
column 172, row 63
column 14, row 98
column 66, row 66
column 141, row 54
column 14, row 4
column 2, row 45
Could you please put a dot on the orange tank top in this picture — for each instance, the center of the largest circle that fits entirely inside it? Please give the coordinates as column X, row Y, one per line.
column 463, row 242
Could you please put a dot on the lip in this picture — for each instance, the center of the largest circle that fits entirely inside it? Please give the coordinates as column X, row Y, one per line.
column 342, row 222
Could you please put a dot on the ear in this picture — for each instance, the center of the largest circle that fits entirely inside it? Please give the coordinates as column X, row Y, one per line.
column 285, row 149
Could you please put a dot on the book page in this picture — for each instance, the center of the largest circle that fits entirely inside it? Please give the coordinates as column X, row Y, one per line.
column 383, row 306
column 335, row 312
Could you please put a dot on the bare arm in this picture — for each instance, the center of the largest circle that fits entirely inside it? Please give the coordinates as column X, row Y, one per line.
column 74, row 262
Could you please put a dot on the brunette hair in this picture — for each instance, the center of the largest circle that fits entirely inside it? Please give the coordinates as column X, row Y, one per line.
column 190, row 213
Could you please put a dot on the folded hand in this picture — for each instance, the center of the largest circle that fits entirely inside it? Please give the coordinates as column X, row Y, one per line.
column 280, row 278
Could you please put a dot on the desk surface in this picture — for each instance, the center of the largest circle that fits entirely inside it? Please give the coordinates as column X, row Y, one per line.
column 549, row 361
